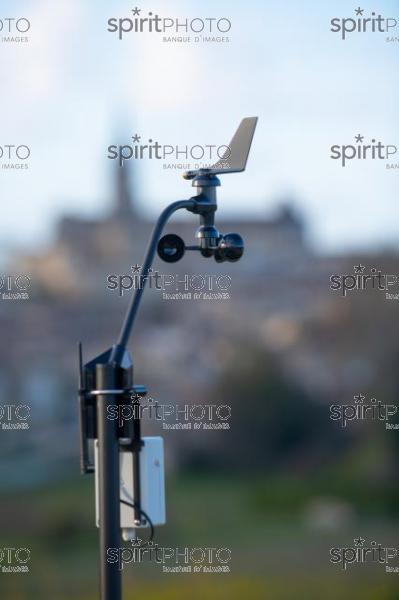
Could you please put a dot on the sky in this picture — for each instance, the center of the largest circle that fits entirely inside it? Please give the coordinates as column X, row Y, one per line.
column 74, row 88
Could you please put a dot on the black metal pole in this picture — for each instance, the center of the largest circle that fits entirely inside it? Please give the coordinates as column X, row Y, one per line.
column 109, row 483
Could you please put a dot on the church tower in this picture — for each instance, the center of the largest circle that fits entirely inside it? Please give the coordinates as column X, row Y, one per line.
column 124, row 200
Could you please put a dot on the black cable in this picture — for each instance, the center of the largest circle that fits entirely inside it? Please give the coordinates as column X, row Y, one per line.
column 144, row 514
column 149, row 257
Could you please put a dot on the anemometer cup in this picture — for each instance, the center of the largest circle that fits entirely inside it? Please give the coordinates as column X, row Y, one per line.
column 171, row 248
column 231, row 248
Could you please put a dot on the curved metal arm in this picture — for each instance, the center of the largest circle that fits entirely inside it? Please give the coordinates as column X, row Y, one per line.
column 149, row 257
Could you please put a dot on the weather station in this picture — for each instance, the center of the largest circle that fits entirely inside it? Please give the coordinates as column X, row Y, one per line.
column 129, row 468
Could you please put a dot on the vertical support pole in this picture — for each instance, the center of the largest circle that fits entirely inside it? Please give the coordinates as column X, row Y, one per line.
column 109, row 483
column 136, row 447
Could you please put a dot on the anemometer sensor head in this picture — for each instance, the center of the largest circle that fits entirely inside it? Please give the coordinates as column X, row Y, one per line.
column 229, row 247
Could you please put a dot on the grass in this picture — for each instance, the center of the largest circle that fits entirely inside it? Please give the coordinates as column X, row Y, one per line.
column 275, row 556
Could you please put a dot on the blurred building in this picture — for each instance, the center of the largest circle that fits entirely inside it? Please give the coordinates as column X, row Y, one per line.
column 86, row 250
column 279, row 301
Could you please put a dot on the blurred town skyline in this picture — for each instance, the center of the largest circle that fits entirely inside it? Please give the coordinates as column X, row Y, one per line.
column 305, row 83
column 280, row 290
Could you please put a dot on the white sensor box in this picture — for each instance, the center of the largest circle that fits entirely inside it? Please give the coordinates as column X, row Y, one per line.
column 152, row 482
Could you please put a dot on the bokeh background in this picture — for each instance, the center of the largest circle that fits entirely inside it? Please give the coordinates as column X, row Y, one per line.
column 285, row 483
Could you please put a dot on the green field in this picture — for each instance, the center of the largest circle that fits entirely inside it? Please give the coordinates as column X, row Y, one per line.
column 276, row 555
